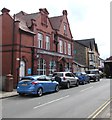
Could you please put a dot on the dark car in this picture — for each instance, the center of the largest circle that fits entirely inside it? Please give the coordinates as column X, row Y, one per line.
column 83, row 77
column 37, row 85
column 94, row 74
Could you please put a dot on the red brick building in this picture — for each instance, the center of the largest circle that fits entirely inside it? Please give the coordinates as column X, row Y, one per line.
column 17, row 43
column 53, row 41
column 35, row 43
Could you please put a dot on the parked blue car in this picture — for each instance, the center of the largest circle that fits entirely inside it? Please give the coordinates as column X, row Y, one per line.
column 37, row 85
column 83, row 77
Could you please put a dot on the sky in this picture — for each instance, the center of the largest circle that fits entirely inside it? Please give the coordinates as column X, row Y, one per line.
column 87, row 18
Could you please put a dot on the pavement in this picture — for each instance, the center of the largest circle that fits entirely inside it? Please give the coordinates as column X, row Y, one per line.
column 106, row 113
column 4, row 94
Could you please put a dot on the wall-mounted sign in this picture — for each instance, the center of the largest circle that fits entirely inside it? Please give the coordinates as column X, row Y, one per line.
column 29, row 71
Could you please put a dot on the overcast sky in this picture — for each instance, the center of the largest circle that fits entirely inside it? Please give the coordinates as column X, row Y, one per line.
column 87, row 18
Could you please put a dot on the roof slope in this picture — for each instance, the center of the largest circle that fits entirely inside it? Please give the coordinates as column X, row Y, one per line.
column 27, row 17
column 90, row 43
column 56, row 22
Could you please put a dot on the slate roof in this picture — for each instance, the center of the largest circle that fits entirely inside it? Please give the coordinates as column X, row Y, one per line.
column 110, row 58
column 90, row 43
column 87, row 42
column 23, row 26
column 27, row 17
column 56, row 22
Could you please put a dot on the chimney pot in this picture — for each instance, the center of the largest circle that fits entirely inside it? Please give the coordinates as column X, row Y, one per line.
column 5, row 10
column 65, row 12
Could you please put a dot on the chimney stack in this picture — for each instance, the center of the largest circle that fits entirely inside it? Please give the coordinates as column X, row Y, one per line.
column 5, row 10
column 65, row 12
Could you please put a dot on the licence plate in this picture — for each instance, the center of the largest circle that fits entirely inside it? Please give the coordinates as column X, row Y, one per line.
column 24, row 84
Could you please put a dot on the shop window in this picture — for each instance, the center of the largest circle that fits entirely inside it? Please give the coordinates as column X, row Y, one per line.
column 41, row 67
column 52, row 67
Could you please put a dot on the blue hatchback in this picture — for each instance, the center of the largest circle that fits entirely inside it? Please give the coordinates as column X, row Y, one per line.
column 37, row 85
column 83, row 77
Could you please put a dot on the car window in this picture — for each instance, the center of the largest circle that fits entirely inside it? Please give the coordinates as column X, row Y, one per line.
column 41, row 78
column 59, row 74
column 68, row 75
column 27, row 79
column 48, row 78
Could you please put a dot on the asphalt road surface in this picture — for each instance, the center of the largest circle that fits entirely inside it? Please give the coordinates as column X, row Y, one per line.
column 76, row 102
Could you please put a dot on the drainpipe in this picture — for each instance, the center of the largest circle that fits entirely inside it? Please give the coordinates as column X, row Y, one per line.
column 13, row 38
column 32, row 51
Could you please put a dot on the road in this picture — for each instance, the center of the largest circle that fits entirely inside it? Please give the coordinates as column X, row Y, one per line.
column 76, row 102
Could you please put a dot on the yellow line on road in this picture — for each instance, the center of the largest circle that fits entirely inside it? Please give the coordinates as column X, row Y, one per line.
column 100, row 109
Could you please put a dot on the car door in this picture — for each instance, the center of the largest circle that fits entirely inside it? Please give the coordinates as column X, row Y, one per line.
column 70, row 78
column 74, row 80
column 51, row 84
column 44, row 83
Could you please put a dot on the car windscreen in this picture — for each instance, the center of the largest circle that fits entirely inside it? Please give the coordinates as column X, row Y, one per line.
column 91, row 72
column 59, row 74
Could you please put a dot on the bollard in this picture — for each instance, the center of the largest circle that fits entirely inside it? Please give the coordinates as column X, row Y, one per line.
column 9, row 83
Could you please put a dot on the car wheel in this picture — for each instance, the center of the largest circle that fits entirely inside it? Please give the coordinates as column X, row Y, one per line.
column 40, row 92
column 68, row 85
column 21, row 94
column 77, row 83
column 88, row 81
column 98, row 79
column 57, row 88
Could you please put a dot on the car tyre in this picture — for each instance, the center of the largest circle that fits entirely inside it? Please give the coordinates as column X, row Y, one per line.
column 83, row 82
column 57, row 88
column 68, row 85
column 88, row 81
column 21, row 94
column 40, row 92
column 77, row 83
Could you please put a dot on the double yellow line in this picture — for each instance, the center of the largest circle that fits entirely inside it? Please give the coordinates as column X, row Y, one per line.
column 100, row 109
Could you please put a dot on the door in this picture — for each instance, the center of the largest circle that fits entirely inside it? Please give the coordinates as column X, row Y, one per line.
column 22, row 69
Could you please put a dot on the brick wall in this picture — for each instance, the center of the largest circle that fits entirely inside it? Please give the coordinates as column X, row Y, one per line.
column 79, row 53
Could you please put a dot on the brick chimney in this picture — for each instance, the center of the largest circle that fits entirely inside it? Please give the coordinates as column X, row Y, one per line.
column 65, row 12
column 5, row 10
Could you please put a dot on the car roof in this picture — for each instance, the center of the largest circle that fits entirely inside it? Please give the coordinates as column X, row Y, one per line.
column 33, row 76
column 62, row 72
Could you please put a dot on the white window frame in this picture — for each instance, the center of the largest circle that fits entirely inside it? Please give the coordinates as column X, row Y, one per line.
column 65, row 29
column 41, row 67
column 69, row 49
column 40, row 40
column 65, row 47
column 61, row 46
column 47, row 43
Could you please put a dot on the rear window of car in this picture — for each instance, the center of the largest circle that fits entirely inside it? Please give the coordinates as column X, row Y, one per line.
column 59, row 74
column 27, row 79
column 92, row 72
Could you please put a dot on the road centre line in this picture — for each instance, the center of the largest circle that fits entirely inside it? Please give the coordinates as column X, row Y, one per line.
column 86, row 89
column 51, row 102
column 100, row 109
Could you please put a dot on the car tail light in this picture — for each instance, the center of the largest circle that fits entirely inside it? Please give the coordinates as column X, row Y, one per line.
column 34, row 83
column 64, row 78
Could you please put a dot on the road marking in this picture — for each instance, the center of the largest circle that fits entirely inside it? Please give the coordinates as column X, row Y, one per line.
column 100, row 109
column 51, row 102
column 86, row 89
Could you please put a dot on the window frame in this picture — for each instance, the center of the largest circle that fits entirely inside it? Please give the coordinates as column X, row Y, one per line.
column 40, row 40
column 47, row 42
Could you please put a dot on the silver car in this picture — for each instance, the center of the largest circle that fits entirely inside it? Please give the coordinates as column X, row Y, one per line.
column 66, row 79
